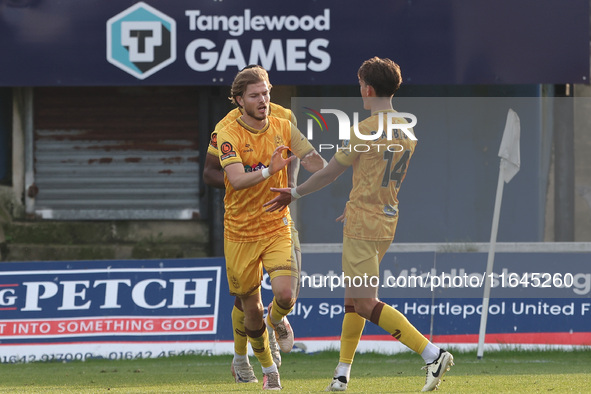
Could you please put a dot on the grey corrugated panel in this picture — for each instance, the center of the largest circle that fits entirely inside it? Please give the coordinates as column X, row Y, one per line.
column 111, row 203
column 134, row 184
column 464, row 247
column 122, row 170
column 117, row 192
column 116, row 152
column 83, row 181
column 116, row 214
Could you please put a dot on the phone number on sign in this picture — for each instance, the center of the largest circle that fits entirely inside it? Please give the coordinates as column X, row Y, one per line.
column 79, row 356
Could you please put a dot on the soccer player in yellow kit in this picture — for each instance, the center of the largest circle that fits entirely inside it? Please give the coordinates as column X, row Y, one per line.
column 370, row 218
column 213, row 176
column 251, row 152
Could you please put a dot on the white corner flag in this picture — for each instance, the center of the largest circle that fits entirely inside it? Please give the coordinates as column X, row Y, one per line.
column 509, row 150
column 510, row 163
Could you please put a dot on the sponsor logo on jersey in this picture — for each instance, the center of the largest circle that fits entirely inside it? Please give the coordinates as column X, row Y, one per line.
column 247, row 149
column 254, row 167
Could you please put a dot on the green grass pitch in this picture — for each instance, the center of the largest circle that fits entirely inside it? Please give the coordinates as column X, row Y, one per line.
column 507, row 371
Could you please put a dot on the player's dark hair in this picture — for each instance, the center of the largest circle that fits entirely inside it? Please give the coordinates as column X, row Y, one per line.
column 247, row 76
column 381, row 74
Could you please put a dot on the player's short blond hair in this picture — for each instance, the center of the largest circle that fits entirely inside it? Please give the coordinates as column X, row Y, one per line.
column 382, row 74
column 247, row 76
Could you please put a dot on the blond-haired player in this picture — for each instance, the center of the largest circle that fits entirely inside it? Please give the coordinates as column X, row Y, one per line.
column 370, row 217
column 252, row 152
column 213, row 176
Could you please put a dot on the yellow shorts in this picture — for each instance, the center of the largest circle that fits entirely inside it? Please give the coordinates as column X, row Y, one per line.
column 361, row 257
column 296, row 257
column 245, row 262
column 296, row 251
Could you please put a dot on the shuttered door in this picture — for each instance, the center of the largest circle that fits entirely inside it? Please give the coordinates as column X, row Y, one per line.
column 116, row 152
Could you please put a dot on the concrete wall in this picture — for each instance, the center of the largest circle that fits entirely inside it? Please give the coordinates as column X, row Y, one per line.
column 582, row 167
column 583, row 163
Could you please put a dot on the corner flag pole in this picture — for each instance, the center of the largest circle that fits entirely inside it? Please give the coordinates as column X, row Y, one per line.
column 509, row 166
column 489, row 265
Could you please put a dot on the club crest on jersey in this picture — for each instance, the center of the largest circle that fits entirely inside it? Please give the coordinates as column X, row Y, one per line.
column 278, row 140
column 227, row 151
column 344, row 145
column 389, row 210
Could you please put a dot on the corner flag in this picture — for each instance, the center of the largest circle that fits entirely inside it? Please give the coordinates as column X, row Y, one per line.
column 510, row 162
column 509, row 150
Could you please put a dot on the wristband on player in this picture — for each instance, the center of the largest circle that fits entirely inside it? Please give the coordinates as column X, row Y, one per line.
column 266, row 173
column 295, row 194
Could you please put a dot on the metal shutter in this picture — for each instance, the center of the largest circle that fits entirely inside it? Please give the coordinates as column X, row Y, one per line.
column 116, row 153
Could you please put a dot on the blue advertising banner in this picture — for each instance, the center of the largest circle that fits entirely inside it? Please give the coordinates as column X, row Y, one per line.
column 149, row 308
column 112, row 299
column 157, row 42
column 82, row 309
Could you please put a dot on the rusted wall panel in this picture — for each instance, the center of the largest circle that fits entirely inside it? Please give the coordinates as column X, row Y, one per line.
column 116, row 153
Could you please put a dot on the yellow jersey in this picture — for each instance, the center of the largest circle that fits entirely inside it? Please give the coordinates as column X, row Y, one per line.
column 245, row 219
column 379, row 167
column 275, row 110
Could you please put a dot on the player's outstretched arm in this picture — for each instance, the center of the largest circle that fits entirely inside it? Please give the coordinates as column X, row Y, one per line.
column 292, row 181
column 313, row 162
column 213, row 174
column 243, row 180
column 279, row 202
column 292, row 177
column 317, row 181
column 310, row 158
column 293, row 169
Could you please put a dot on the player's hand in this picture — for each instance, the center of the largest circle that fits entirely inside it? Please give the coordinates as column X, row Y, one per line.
column 342, row 217
column 313, row 162
column 278, row 161
column 281, row 201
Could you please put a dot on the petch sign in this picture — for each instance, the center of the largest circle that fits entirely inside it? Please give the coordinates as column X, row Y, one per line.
column 101, row 302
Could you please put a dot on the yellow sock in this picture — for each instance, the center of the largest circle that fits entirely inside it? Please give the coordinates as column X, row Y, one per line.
column 398, row 326
column 277, row 312
column 240, row 340
column 259, row 340
column 350, row 334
